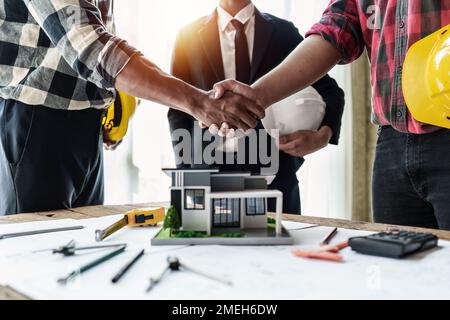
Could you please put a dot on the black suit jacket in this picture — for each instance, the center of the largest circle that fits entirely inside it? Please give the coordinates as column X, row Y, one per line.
column 197, row 59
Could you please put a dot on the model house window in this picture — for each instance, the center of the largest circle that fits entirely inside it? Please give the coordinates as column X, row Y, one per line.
column 194, row 199
column 255, row 206
column 226, row 212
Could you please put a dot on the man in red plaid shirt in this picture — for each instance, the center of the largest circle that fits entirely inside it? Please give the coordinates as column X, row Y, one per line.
column 411, row 179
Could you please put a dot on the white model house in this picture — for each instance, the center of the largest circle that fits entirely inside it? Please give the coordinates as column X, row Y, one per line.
column 213, row 202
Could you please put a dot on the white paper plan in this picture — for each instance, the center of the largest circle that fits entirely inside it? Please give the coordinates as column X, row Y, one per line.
column 255, row 272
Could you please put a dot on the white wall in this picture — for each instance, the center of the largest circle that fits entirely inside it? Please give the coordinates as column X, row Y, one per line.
column 196, row 220
column 252, row 222
column 326, row 177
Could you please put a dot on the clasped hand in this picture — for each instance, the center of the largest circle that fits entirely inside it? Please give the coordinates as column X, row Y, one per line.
column 298, row 144
column 230, row 110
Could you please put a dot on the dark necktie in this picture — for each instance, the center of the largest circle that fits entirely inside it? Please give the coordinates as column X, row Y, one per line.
column 242, row 55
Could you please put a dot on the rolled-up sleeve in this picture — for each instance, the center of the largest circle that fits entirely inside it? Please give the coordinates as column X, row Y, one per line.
column 76, row 29
column 341, row 26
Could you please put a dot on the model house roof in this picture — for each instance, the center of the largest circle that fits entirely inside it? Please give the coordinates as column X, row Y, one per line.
column 189, row 170
column 169, row 171
column 233, row 174
column 218, row 174
column 246, row 194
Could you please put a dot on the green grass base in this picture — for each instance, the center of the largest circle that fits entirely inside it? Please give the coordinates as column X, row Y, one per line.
column 165, row 234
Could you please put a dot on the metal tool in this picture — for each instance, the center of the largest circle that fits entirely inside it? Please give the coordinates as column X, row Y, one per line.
column 174, row 264
column 70, row 249
column 134, row 218
column 35, row 232
column 91, row 265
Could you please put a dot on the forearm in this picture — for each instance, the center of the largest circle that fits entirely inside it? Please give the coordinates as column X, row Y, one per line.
column 143, row 79
column 309, row 62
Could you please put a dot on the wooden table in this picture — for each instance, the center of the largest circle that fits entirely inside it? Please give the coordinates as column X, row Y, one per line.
column 99, row 211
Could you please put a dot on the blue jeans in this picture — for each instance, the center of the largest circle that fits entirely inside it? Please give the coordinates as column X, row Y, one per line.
column 411, row 179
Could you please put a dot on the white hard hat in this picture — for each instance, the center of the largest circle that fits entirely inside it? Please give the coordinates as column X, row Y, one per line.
column 301, row 111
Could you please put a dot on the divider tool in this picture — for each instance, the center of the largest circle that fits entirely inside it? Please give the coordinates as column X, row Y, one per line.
column 70, row 249
column 174, row 264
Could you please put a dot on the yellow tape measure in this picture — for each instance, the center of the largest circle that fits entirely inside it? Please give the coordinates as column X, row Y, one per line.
column 135, row 218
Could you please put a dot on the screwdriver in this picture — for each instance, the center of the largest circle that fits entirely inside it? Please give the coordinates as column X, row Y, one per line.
column 174, row 264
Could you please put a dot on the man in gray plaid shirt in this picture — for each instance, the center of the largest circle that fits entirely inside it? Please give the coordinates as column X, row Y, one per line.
column 60, row 67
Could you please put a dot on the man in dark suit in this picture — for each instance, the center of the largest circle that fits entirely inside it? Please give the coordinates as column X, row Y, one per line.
column 239, row 42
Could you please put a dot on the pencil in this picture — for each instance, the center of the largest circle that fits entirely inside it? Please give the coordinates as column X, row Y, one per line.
column 329, row 237
column 127, row 267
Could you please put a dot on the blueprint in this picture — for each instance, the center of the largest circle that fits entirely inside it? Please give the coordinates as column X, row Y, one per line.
column 263, row 272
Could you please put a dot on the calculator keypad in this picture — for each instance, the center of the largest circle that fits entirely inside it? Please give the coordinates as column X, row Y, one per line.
column 394, row 243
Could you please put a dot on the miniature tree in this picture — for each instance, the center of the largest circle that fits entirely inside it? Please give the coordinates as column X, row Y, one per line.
column 172, row 220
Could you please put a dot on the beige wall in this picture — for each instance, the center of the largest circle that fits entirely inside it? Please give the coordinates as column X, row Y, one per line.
column 364, row 140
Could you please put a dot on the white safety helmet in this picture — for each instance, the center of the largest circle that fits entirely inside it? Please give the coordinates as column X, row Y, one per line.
column 304, row 110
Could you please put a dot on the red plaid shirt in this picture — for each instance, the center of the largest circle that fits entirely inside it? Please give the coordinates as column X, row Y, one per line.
column 386, row 28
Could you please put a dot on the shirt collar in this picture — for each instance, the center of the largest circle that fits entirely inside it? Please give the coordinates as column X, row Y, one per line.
column 242, row 16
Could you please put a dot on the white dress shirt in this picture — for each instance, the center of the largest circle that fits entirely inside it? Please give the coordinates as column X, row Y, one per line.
column 227, row 34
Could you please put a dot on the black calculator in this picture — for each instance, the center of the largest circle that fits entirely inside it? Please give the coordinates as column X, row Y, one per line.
column 394, row 244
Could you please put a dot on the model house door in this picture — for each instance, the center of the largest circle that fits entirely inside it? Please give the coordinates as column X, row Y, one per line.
column 175, row 196
column 226, row 213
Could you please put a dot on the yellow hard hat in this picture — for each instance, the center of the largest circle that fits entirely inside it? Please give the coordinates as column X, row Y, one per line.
column 426, row 79
column 118, row 115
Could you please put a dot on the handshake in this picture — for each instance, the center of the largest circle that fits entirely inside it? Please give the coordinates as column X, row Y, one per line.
column 230, row 106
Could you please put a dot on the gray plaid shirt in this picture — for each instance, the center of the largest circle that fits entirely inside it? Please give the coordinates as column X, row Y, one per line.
column 60, row 54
